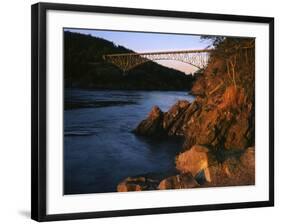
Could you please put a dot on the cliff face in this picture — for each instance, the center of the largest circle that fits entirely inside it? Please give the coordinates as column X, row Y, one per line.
column 219, row 126
column 222, row 116
column 224, row 119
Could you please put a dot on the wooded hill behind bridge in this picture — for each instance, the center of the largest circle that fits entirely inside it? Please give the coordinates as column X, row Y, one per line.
column 84, row 67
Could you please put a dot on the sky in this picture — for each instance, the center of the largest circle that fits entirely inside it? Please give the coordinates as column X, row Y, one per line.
column 149, row 42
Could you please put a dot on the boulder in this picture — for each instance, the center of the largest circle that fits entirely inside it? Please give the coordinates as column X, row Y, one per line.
column 170, row 123
column 194, row 160
column 180, row 181
column 137, row 184
column 126, row 186
column 236, row 170
column 152, row 125
column 209, row 168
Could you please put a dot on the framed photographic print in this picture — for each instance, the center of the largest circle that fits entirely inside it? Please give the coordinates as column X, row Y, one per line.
column 139, row 111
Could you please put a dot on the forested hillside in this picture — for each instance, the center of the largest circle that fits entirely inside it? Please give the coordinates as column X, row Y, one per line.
column 85, row 68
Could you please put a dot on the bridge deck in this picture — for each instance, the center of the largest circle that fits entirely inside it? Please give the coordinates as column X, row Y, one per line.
column 126, row 61
column 159, row 52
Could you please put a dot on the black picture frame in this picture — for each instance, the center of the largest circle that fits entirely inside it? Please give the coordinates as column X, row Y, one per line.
column 39, row 122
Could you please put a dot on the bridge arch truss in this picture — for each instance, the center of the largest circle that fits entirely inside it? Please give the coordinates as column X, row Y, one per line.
column 128, row 61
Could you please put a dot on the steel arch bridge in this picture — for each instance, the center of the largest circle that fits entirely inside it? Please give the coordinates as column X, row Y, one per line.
column 128, row 61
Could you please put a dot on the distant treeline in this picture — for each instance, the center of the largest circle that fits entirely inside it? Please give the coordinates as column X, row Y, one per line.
column 85, row 68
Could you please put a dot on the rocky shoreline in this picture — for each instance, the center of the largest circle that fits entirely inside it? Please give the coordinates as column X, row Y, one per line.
column 204, row 164
column 218, row 128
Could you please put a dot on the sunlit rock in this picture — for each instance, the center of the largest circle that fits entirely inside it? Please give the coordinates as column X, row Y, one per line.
column 180, row 181
column 194, row 160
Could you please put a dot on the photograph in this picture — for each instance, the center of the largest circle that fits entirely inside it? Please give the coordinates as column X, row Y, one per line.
column 152, row 111
column 121, row 112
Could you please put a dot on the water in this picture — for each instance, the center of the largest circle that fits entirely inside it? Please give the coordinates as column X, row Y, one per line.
column 99, row 148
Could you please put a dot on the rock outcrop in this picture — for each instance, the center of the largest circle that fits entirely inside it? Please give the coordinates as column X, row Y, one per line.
column 140, row 183
column 160, row 124
column 218, row 127
column 194, row 160
column 174, row 118
column 200, row 167
column 227, row 124
column 210, row 168
column 180, row 181
column 152, row 125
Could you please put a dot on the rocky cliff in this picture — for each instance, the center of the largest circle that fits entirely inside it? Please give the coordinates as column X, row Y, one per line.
column 218, row 127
